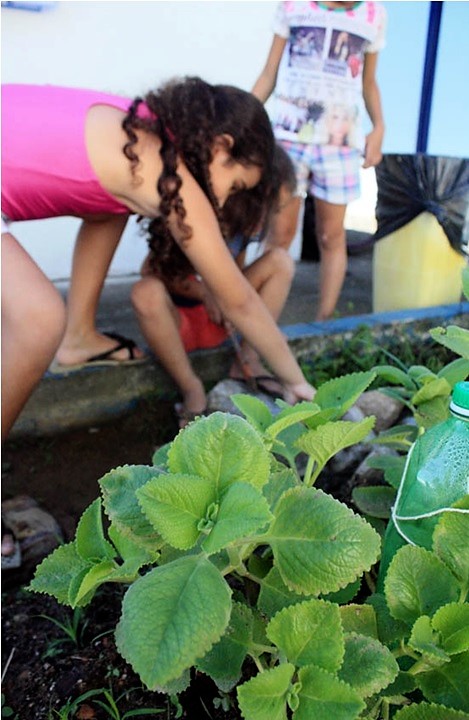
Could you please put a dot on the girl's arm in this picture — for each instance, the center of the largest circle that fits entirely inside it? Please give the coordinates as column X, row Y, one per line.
column 266, row 81
column 372, row 98
column 237, row 299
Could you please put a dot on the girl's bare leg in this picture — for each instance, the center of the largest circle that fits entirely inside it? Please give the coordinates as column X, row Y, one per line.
column 33, row 322
column 159, row 323
column 331, row 238
column 94, row 249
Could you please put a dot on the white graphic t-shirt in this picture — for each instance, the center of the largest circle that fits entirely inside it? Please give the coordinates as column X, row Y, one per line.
column 319, row 94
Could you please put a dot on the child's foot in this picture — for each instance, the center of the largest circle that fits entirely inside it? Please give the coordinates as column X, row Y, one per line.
column 101, row 348
column 193, row 405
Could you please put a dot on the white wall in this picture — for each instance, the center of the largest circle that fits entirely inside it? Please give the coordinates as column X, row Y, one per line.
column 128, row 48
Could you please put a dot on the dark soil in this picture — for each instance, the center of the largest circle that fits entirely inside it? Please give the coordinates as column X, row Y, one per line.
column 42, row 670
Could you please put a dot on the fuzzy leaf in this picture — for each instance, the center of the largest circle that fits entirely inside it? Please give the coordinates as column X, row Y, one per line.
column 359, row 619
column 425, row 640
column 342, row 392
column 224, row 661
column 368, row 665
column 344, row 595
column 133, row 554
column 309, row 633
column 175, row 504
column 452, row 622
column 437, row 387
column 375, row 501
column 255, row 411
column 274, row 594
column 327, row 440
column 450, row 541
column 97, row 575
column 291, row 416
column 91, row 544
column 320, row 545
column 454, row 338
column 417, row 583
column 323, row 697
column 160, row 457
column 264, row 697
column 243, row 511
column 429, row 711
column 171, row 617
column 57, row 571
column 119, row 488
column 222, row 448
column 447, row 684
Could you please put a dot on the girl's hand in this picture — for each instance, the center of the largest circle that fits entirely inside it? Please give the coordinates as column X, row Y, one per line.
column 299, row 391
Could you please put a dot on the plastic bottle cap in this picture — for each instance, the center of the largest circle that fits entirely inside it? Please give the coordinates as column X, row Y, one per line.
column 460, row 399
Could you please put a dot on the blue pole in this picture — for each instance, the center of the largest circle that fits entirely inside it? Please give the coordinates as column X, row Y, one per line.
column 434, row 21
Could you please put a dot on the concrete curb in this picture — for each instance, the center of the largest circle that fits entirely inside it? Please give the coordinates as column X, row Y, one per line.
column 93, row 395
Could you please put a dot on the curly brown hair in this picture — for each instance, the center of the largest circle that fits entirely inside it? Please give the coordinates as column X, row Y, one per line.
column 187, row 115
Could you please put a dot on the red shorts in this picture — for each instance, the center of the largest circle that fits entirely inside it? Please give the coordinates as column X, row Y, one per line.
column 197, row 330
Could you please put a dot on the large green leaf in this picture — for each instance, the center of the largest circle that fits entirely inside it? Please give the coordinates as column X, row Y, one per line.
column 171, row 617
column 391, row 465
column 368, row 665
column 454, row 338
column 327, row 440
column 309, row 633
column 418, row 583
column 291, row 416
column 222, row 448
column 175, row 504
column 448, row 684
column 323, row 697
column 320, row 545
column 243, row 511
column 437, row 387
column 255, row 411
column 265, row 696
column 119, row 488
column 224, row 661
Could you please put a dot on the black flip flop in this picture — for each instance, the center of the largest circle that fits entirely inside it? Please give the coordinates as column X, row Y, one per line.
column 104, row 358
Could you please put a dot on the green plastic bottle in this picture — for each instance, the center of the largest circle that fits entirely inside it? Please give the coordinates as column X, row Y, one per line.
column 435, row 476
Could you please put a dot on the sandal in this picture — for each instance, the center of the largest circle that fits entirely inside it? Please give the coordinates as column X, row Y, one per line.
column 184, row 417
column 104, row 358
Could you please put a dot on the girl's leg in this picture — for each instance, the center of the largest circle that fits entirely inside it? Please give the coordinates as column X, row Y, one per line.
column 94, row 249
column 331, row 238
column 33, row 322
column 271, row 276
column 283, row 223
column 159, row 323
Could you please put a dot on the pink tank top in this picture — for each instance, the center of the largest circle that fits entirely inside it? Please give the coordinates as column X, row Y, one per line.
column 45, row 167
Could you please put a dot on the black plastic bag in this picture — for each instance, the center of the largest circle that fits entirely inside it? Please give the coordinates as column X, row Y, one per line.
column 310, row 248
column 411, row 184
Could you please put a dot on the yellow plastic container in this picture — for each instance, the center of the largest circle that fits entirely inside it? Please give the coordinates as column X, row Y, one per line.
column 416, row 266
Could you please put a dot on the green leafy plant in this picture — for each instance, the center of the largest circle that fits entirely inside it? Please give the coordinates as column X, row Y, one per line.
column 234, row 561
column 7, row 711
column 73, row 628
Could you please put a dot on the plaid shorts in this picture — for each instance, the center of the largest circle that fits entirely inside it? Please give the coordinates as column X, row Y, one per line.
column 327, row 172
